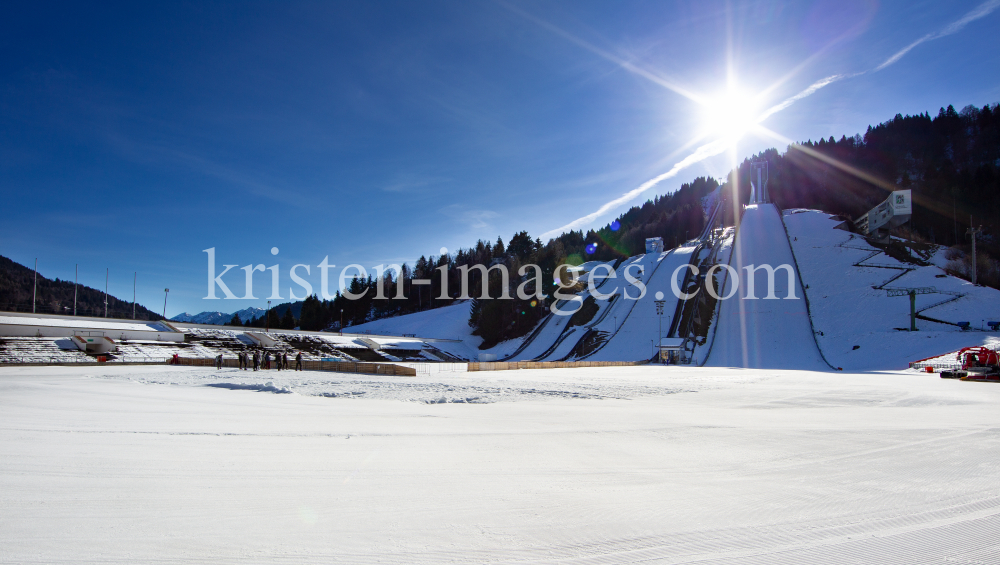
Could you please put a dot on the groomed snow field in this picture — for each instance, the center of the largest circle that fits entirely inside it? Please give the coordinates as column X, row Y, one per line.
column 641, row 464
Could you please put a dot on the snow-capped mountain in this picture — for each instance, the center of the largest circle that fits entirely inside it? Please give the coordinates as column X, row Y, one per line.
column 248, row 314
column 219, row 318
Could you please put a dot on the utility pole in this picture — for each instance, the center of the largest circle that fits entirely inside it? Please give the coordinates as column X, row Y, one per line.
column 267, row 318
column 954, row 216
column 76, row 283
column 34, row 289
column 107, row 274
column 973, row 231
column 135, row 277
column 166, row 291
column 341, row 321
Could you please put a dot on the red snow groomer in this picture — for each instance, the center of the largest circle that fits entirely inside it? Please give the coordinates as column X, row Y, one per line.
column 978, row 364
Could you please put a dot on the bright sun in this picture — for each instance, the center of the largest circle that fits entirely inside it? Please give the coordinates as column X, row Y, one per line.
column 731, row 114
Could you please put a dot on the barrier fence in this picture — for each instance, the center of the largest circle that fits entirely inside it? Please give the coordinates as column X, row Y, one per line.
column 83, row 361
column 392, row 369
column 320, row 365
column 516, row 365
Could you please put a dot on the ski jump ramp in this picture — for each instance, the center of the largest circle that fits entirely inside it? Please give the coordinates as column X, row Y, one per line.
column 762, row 333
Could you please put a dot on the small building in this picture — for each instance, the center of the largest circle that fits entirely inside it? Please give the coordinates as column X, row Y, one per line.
column 654, row 245
column 670, row 350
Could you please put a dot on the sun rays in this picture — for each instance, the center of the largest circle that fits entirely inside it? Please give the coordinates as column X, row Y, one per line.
column 733, row 113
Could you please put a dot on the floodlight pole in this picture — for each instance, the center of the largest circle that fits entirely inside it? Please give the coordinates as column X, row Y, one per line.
column 135, row 277
column 267, row 318
column 659, row 314
column 76, row 279
column 166, row 291
column 34, row 288
column 107, row 275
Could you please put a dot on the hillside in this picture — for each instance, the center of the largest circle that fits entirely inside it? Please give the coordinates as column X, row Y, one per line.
column 56, row 296
column 949, row 161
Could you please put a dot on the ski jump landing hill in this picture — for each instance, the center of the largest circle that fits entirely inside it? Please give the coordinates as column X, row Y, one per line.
column 841, row 316
column 764, row 333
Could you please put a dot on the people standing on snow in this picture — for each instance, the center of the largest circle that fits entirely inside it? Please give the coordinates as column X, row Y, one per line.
column 256, row 360
column 298, row 361
column 267, row 360
column 218, row 362
column 284, row 360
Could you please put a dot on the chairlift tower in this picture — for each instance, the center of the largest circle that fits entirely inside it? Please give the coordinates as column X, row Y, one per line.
column 758, row 182
column 912, row 293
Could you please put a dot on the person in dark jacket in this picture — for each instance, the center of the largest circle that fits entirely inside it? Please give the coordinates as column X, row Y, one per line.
column 284, row 360
column 256, row 360
column 298, row 361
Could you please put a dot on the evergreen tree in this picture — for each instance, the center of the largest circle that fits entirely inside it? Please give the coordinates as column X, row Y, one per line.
column 288, row 321
column 273, row 322
column 498, row 249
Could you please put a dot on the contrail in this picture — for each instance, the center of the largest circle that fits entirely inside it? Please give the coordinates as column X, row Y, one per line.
column 716, row 147
column 807, row 92
column 983, row 10
column 704, row 152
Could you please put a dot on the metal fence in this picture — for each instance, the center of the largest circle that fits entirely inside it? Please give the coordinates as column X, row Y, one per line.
column 937, row 366
column 69, row 360
column 427, row 369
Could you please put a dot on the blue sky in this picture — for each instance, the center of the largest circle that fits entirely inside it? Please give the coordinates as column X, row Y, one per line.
column 134, row 136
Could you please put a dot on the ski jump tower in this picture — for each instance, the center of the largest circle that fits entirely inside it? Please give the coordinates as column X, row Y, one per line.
column 758, row 182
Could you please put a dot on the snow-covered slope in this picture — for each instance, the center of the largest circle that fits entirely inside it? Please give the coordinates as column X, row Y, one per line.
column 633, row 325
column 856, row 323
column 555, row 340
column 449, row 322
column 772, row 334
